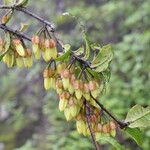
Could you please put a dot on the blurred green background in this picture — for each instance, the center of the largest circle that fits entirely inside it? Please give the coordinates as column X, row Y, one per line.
column 29, row 117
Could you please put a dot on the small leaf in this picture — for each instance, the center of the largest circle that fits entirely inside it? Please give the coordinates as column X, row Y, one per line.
column 136, row 134
column 63, row 56
column 66, row 47
column 79, row 51
column 23, row 27
column 107, row 139
column 22, row 3
column 1, row 56
column 6, row 2
column 138, row 117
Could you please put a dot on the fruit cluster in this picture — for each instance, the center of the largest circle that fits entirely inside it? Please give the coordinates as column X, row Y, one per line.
column 73, row 91
column 77, row 89
column 17, row 53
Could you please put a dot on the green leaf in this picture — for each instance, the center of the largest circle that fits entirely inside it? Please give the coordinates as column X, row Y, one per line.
column 107, row 139
column 87, row 48
column 102, row 60
column 136, row 134
column 79, row 51
column 139, row 117
column 1, row 56
column 22, row 3
column 63, row 56
column 6, row 2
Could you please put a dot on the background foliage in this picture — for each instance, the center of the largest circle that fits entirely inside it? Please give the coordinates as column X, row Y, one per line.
column 29, row 118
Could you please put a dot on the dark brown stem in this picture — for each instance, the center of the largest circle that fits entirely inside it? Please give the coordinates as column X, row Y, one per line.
column 121, row 124
column 87, row 109
column 15, row 32
column 28, row 12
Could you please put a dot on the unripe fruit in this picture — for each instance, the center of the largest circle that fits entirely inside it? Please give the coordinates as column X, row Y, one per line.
column 106, row 128
column 1, row 44
column 92, row 85
column 37, row 54
column 81, row 126
column 62, row 104
column 47, row 83
column 19, row 47
column 112, row 125
column 19, row 62
column 52, row 43
column 99, row 128
column 67, row 114
column 73, row 110
column 35, row 45
column 60, row 67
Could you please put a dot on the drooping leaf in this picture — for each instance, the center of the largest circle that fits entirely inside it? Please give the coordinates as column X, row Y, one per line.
column 139, row 117
column 87, row 48
column 107, row 139
column 102, row 60
column 66, row 47
column 136, row 134
column 105, row 55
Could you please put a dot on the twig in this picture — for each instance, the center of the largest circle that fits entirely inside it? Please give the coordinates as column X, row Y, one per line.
column 87, row 109
column 121, row 124
column 15, row 32
column 30, row 13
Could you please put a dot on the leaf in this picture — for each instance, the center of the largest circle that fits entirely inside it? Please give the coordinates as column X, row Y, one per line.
column 1, row 56
column 23, row 27
column 136, row 134
column 79, row 51
column 22, row 3
column 138, row 116
column 102, row 60
column 112, row 141
column 87, row 47
column 6, row 2
column 66, row 47
column 63, row 56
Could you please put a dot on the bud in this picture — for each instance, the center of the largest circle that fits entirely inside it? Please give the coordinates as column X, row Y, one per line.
column 19, row 48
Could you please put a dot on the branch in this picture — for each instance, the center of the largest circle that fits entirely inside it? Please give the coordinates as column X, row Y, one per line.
column 121, row 124
column 28, row 12
column 15, row 32
column 87, row 109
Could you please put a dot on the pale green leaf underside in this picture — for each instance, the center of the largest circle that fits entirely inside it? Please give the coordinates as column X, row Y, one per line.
column 138, row 116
